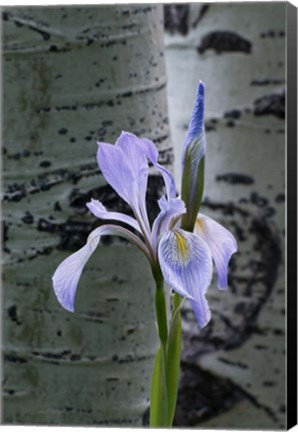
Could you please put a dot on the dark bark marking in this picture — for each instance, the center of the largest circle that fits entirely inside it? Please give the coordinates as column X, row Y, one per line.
column 62, row 131
column 233, row 363
column 136, row 10
column 5, row 229
column 280, row 198
column 224, row 41
column 73, row 234
column 267, row 82
column 261, row 347
column 273, row 104
column 233, row 178
column 14, row 358
column 209, row 127
column 203, row 395
column 17, row 156
column 258, row 200
column 233, row 114
column 204, row 8
column 57, row 206
column 12, row 313
column 17, row 191
column 53, row 48
column 27, row 218
column 176, row 18
column 272, row 34
column 45, row 164
column 239, row 231
column 5, row 16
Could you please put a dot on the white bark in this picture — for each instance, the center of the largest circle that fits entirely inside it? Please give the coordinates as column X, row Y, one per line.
column 244, row 75
column 74, row 75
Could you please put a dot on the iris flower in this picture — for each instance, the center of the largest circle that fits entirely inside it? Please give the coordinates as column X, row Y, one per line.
column 183, row 258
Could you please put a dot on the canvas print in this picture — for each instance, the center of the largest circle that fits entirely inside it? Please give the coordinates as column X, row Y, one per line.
column 144, row 151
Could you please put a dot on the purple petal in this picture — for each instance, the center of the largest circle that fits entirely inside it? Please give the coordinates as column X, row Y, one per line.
column 186, row 265
column 68, row 273
column 221, row 243
column 152, row 155
column 171, row 211
column 99, row 210
column 196, row 125
column 125, row 168
column 117, row 170
column 201, row 310
column 134, row 149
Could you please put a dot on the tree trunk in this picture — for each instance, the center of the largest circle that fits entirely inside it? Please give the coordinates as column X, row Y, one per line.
column 72, row 76
column 233, row 371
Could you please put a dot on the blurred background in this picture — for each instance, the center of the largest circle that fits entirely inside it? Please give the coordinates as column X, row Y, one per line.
column 233, row 371
column 75, row 75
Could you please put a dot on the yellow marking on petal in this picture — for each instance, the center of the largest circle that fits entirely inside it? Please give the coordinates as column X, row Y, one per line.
column 199, row 225
column 182, row 244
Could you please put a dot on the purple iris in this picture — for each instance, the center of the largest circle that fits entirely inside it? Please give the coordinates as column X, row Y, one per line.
column 184, row 258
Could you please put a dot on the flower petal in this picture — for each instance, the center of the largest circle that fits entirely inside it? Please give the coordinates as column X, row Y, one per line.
column 136, row 148
column 117, row 170
column 133, row 147
column 152, row 155
column 201, row 310
column 68, row 273
column 186, row 265
column 196, row 125
column 170, row 212
column 99, row 210
column 132, row 163
column 221, row 243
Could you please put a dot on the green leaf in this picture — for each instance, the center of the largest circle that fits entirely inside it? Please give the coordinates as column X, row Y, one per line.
column 158, row 397
column 173, row 358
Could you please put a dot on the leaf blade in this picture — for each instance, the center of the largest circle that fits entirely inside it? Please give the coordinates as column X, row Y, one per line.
column 173, row 358
column 159, row 394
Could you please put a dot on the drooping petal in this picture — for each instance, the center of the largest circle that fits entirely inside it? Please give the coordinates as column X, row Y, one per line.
column 193, row 158
column 186, row 265
column 99, row 210
column 201, row 310
column 170, row 213
column 116, row 169
column 221, row 242
column 68, row 273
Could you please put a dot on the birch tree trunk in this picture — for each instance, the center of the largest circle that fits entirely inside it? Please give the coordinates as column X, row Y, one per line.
column 72, row 76
column 233, row 371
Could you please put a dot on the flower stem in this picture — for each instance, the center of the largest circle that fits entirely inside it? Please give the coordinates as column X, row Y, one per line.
column 160, row 307
column 173, row 357
column 159, row 388
column 161, row 315
column 165, row 378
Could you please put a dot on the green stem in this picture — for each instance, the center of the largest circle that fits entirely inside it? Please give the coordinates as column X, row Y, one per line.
column 160, row 307
column 161, row 316
column 173, row 357
column 165, row 378
column 159, row 389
